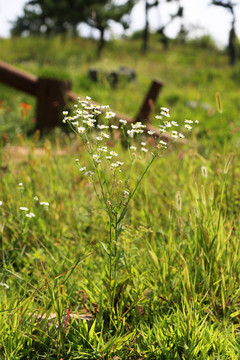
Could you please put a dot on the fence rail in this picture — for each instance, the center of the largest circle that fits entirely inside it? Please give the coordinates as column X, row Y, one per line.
column 18, row 79
column 53, row 95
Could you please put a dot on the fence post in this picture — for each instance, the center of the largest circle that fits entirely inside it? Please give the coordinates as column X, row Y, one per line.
column 51, row 100
column 148, row 103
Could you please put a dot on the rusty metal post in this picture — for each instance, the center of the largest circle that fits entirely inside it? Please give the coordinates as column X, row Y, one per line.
column 52, row 96
column 149, row 101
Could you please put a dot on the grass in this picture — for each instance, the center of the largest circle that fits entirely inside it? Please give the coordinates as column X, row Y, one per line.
column 179, row 297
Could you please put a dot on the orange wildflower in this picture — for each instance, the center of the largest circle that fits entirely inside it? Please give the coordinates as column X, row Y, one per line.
column 25, row 108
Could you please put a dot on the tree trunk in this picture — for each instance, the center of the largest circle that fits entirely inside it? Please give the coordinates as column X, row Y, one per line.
column 146, row 30
column 101, row 42
column 232, row 46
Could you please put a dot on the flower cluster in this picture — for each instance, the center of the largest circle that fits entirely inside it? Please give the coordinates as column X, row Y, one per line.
column 168, row 126
column 95, row 125
column 86, row 118
column 25, row 210
column 29, row 214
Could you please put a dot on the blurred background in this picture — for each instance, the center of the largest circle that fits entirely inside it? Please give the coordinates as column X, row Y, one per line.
column 199, row 17
column 112, row 50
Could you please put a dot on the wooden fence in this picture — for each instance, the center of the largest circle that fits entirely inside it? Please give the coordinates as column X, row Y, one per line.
column 53, row 94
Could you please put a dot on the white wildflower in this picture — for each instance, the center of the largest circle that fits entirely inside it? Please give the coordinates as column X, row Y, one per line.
column 81, row 129
column 188, row 127
column 96, row 158
column 110, row 114
column 105, row 135
column 73, row 118
column 82, row 168
column 114, row 165
column 83, row 103
column 95, row 106
column 90, row 124
column 174, row 134
column 124, row 122
column 133, row 148
column 181, row 135
column 44, row 203
column 75, row 123
column 30, row 215
column 167, row 124
column 23, row 208
column 101, row 127
column 113, row 153
column 144, row 149
column 4, row 285
column 164, row 111
column 102, row 148
column 88, row 116
column 131, row 133
column 162, row 129
column 151, row 132
column 138, row 125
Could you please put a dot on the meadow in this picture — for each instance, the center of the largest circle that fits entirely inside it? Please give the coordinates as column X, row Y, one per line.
column 176, row 291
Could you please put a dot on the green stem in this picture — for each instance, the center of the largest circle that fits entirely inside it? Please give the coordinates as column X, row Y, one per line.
column 115, row 245
column 136, row 187
column 110, row 261
column 221, row 201
column 102, row 191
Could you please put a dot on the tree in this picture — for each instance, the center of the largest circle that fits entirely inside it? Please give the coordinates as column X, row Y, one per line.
column 105, row 11
column 44, row 16
column 49, row 17
column 164, row 39
column 229, row 5
column 148, row 6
